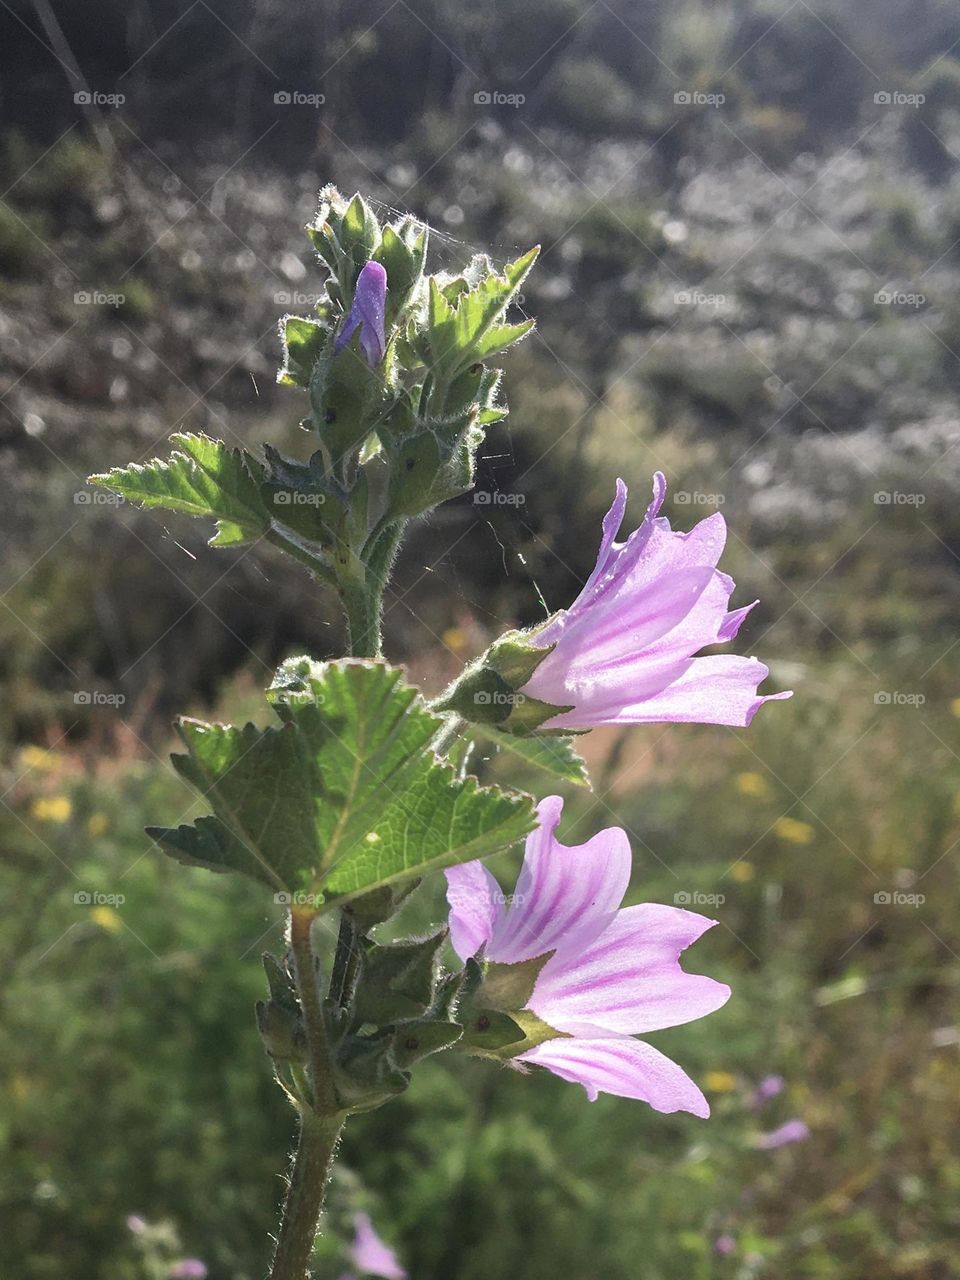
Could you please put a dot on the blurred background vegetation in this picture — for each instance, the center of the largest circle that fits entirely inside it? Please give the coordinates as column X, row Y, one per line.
column 758, row 295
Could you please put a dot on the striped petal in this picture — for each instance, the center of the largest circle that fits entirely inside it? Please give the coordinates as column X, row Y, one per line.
column 622, row 1066
column 566, row 895
column 629, row 979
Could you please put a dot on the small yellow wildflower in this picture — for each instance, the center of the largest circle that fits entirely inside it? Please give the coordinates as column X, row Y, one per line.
column 454, row 638
column 720, row 1081
column 107, row 919
column 753, row 784
column 793, row 831
column 52, row 809
column 742, row 872
column 97, row 825
column 955, row 707
column 34, row 757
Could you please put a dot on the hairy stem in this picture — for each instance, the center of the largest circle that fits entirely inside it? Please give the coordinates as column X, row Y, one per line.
column 312, row 1163
column 321, row 1118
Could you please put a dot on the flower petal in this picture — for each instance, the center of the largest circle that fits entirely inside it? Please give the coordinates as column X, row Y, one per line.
column 624, row 651
column 629, row 979
column 476, row 904
column 566, row 895
column 371, row 1255
column 622, row 1066
column 717, row 689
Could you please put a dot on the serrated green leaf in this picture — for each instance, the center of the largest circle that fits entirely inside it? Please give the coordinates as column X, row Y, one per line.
column 464, row 314
column 554, row 753
column 499, row 338
column 202, row 478
column 345, row 796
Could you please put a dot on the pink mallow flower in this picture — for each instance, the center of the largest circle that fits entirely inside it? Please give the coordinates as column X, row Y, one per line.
column 791, row 1131
column 370, row 1255
column 624, row 650
column 613, row 973
column 188, row 1269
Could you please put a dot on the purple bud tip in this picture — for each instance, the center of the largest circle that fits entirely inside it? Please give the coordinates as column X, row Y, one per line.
column 367, row 314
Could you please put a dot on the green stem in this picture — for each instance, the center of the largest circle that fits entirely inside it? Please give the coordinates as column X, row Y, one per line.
column 363, row 600
column 319, row 1056
column 363, row 608
column 308, row 1181
column 321, row 1118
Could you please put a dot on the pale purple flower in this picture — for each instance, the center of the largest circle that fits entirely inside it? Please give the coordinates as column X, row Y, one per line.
column 136, row 1224
column 792, row 1131
column 769, row 1087
column 370, row 1254
column 724, row 1245
column 188, row 1269
column 614, row 972
column 366, row 314
column 624, row 650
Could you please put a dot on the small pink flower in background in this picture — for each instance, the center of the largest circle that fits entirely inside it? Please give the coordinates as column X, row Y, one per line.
column 366, row 314
column 188, row 1269
column 792, row 1131
column 624, row 650
column 769, row 1087
column 724, row 1245
column 370, row 1255
column 614, row 972
column 136, row 1224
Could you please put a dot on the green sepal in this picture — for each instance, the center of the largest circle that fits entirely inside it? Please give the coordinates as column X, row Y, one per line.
column 346, row 397
column 303, row 342
column 415, row 1040
column 370, row 909
column 402, row 253
column 365, row 1075
column 398, row 980
column 509, row 987
column 488, row 1031
column 281, row 1031
column 489, row 690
